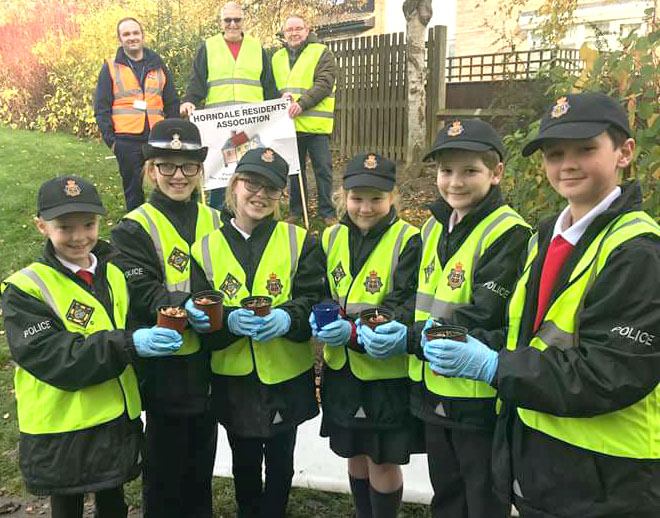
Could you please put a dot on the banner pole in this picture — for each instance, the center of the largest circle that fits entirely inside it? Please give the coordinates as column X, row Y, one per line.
column 303, row 200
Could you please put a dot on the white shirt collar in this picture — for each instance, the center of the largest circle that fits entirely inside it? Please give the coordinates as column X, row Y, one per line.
column 453, row 221
column 573, row 233
column 74, row 267
column 245, row 235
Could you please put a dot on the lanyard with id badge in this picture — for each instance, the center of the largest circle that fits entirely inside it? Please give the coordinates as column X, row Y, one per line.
column 139, row 104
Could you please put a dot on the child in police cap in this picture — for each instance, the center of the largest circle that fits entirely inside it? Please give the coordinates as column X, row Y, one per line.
column 370, row 261
column 262, row 366
column 155, row 241
column 579, row 430
column 77, row 395
column 471, row 248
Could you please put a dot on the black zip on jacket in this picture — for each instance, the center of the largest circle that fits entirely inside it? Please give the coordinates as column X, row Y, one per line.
column 77, row 461
column 605, row 372
column 484, row 317
column 104, row 97
column 176, row 385
column 243, row 404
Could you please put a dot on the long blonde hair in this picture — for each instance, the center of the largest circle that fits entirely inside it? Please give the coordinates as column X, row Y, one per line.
column 340, row 195
column 230, row 198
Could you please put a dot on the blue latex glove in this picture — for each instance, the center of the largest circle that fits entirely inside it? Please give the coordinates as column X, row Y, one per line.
column 276, row 323
column 197, row 318
column 243, row 322
column 386, row 340
column 473, row 360
column 156, row 341
column 335, row 334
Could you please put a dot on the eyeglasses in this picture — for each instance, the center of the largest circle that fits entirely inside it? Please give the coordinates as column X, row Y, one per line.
column 272, row 193
column 235, row 20
column 169, row 169
column 294, row 29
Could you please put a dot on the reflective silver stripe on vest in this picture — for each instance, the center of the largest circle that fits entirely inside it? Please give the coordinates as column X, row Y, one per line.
column 216, row 219
column 533, row 241
column 315, row 113
column 477, row 251
column 396, row 252
column 206, row 259
column 429, row 228
column 127, row 93
column 158, row 245
column 134, row 111
column 222, row 103
column 301, row 91
column 552, row 336
column 120, row 85
column 333, row 236
column 436, row 307
column 44, row 289
column 293, row 250
column 233, row 81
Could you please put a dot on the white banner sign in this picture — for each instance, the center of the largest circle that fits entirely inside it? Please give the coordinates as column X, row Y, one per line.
column 231, row 131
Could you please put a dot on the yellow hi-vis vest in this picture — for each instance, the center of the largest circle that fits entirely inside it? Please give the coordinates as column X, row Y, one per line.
column 632, row 432
column 276, row 360
column 174, row 253
column 367, row 290
column 43, row 408
column 126, row 90
column 233, row 81
column 319, row 118
column 441, row 291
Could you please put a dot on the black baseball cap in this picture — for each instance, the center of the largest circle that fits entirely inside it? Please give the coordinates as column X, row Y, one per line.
column 370, row 170
column 265, row 162
column 175, row 137
column 579, row 116
column 67, row 194
column 469, row 134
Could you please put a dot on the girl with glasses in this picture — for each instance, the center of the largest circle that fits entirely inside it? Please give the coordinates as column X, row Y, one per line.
column 155, row 241
column 262, row 366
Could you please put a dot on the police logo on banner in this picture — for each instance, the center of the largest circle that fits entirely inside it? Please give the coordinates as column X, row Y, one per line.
column 230, row 286
column 373, row 284
column 79, row 313
column 273, row 285
column 178, row 259
column 456, row 277
column 338, row 273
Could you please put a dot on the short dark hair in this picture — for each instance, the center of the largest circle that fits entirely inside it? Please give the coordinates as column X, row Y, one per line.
column 490, row 158
column 617, row 136
column 127, row 19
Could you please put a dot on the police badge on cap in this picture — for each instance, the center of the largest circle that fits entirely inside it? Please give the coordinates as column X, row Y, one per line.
column 175, row 137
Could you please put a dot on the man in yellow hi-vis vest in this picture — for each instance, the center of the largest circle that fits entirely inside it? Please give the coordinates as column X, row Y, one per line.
column 134, row 91
column 305, row 72
column 229, row 68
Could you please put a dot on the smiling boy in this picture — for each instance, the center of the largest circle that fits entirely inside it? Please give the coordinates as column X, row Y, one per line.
column 471, row 245
column 579, row 433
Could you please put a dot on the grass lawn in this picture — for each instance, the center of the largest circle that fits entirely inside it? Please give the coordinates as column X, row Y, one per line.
column 26, row 160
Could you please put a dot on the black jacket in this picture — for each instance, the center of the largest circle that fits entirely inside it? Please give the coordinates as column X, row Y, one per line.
column 103, row 97
column 243, row 404
column 197, row 88
column 93, row 459
column 385, row 402
column 605, row 372
column 178, row 384
column 484, row 317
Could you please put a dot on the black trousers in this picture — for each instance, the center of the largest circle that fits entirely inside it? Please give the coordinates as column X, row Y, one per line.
column 109, row 504
column 460, row 471
column 178, row 466
column 253, row 500
column 130, row 161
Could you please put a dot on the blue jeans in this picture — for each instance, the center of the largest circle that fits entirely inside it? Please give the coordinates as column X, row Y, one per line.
column 130, row 161
column 318, row 147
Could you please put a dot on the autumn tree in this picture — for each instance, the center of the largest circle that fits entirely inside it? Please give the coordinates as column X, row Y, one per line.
column 418, row 15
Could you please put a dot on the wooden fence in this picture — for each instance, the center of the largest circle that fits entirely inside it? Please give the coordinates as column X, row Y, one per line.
column 371, row 104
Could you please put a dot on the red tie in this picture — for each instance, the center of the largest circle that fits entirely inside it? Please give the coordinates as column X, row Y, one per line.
column 85, row 276
column 558, row 251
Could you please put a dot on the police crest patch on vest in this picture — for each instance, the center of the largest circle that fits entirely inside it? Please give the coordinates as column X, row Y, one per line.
column 338, row 273
column 428, row 270
column 273, row 285
column 373, row 284
column 230, row 286
column 79, row 313
column 178, row 259
column 456, row 277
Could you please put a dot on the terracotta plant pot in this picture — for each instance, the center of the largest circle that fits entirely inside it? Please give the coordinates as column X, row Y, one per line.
column 373, row 317
column 325, row 313
column 257, row 303
column 176, row 322
column 210, row 302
